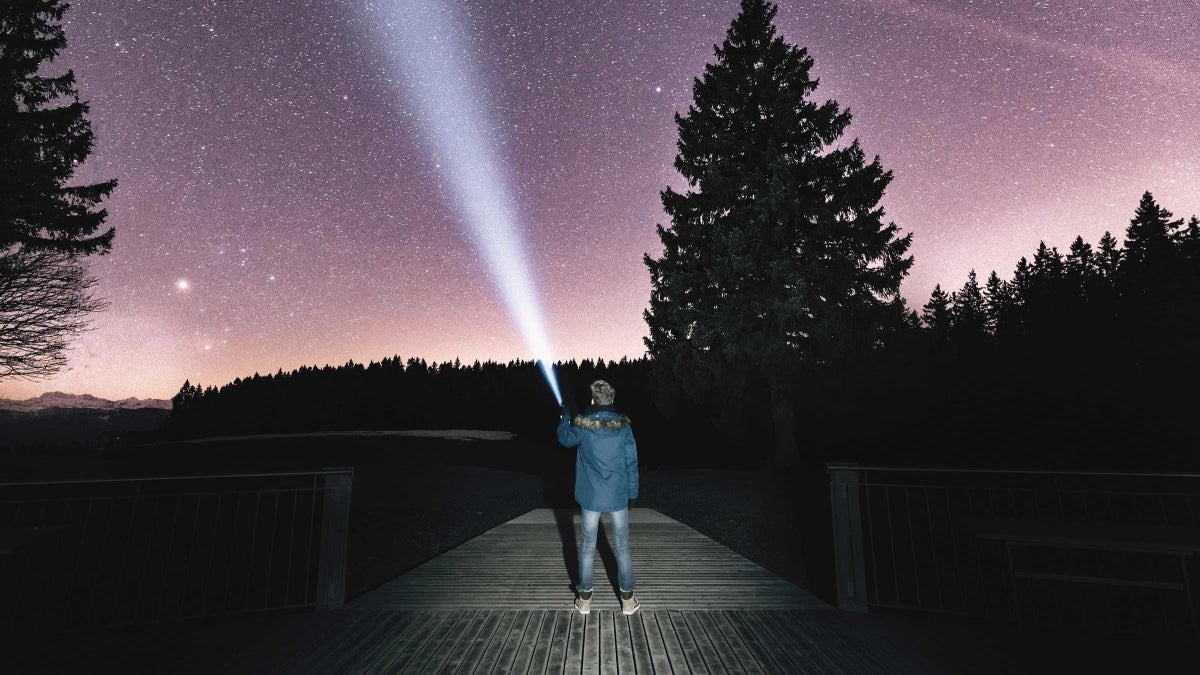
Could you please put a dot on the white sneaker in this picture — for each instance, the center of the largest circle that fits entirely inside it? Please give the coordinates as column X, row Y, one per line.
column 584, row 605
column 630, row 606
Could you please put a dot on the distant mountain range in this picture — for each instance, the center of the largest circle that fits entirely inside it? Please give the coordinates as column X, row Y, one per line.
column 59, row 420
column 58, row 399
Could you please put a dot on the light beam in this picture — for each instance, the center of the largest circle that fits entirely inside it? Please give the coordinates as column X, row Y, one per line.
column 428, row 52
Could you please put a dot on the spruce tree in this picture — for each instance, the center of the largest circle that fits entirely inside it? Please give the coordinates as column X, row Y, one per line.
column 936, row 312
column 44, row 142
column 777, row 258
column 998, row 304
column 968, row 312
column 46, row 226
column 1108, row 257
column 1149, row 239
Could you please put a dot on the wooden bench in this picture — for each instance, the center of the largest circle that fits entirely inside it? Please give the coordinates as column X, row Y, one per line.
column 1182, row 542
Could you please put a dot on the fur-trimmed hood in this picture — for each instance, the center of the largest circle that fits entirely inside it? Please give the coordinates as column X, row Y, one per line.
column 605, row 422
column 601, row 417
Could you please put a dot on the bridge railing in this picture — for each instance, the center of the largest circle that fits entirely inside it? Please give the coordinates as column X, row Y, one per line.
column 113, row 552
column 902, row 535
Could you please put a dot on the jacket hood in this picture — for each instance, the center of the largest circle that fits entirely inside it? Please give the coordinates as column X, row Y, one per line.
column 601, row 417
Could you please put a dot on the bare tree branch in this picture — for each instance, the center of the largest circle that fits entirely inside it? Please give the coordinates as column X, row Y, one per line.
column 45, row 299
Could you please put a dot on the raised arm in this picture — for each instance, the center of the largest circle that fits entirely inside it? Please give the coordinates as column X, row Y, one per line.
column 567, row 434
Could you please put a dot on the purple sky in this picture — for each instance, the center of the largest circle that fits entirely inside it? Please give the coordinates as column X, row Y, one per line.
column 278, row 206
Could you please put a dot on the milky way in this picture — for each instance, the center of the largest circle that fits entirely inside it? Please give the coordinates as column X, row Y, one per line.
column 278, row 205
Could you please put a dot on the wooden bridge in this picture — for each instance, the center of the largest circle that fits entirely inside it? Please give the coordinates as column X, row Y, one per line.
column 502, row 603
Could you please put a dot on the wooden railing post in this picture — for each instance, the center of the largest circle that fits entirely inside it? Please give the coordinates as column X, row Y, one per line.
column 335, row 526
column 849, row 564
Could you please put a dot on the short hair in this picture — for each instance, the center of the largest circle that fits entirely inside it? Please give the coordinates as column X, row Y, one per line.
column 603, row 393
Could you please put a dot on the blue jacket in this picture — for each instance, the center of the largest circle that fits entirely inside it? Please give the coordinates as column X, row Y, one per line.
column 606, row 469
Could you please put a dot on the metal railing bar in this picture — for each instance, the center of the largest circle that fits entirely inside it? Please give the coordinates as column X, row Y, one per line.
column 271, row 554
column 237, row 514
column 1017, row 488
column 287, row 583
column 962, row 591
column 253, row 540
column 191, row 544
column 870, row 522
column 170, row 552
column 133, row 479
column 212, row 551
column 887, row 498
column 146, row 559
column 212, row 493
column 1037, row 472
column 912, row 548
column 937, row 577
column 312, row 517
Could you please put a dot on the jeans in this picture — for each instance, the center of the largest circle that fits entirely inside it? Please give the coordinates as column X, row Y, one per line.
column 587, row 550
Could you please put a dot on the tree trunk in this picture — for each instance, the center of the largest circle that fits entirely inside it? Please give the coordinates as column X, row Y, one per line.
column 787, row 453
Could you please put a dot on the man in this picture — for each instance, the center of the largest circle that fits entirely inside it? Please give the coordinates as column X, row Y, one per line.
column 606, row 478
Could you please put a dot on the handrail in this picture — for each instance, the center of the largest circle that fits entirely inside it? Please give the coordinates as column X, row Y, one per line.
column 128, row 479
column 153, row 549
column 911, row 469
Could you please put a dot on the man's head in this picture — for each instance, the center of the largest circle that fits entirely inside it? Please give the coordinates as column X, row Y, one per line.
column 603, row 393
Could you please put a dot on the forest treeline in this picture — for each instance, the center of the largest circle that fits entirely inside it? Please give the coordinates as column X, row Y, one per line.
column 1086, row 359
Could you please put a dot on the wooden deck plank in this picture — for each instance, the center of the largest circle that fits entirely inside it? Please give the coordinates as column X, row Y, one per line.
column 687, row 643
column 335, row 646
column 558, row 643
column 763, row 650
column 533, row 633
column 441, row 649
column 574, row 659
column 392, row 627
column 502, row 603
column 523, row 566
column 400, row 651
column 591, row 644
column 469, row 636
column 639, row 644
column 368, row 636
column 541, row 650
column 516, row 635
column 783, row 646
column 707, row 650
column 624, row 645
column 737, row 646
column 671, row 642
column 654, row 642
column 467, row 660
column 419, row 651
column 816, row 650
column 607, row 663
column 491, row 652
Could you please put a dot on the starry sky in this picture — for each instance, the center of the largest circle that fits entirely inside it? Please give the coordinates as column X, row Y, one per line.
column 278, row 205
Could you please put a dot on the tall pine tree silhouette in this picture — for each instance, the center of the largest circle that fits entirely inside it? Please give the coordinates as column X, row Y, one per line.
column 43, row 142
column 777, row 257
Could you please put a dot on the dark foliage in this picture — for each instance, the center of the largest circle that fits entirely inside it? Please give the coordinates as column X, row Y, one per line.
column 394, row 394
column 46, row 225
column 777, row 261
column 43, row 143
column 1082, row 360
